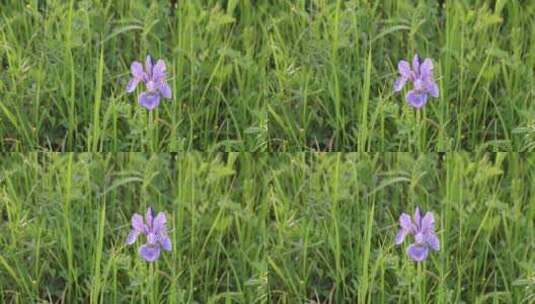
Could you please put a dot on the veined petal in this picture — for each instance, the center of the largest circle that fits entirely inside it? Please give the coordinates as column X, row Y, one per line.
column 432, row 88
column 399, row 83
column 152, row 238
column 132, row 84
column 132, row 237
column 148, row 66
column 404, row 69
column 433, row 241
column 400, row 237
column 419, row 85
column 165, row 89
column 137, row 70
column 158, row 71
column 149, row 101
column 417, row 253
column 416, row 99
column 426, row 68
column 419, row 238
column 165, row 242
column 137, row 223
column 149, row 253
column 152, row 86
column 428, row 222
column 159, row 223
column 417, row 218
column 405, row 222
column 149, row 217
column 416, row 64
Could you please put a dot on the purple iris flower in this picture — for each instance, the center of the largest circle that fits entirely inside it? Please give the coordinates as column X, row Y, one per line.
column 421, row 75
column 156, row 232
column 154, row 78
column 423, row 231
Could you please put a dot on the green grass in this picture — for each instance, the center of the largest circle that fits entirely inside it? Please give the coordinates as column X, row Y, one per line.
column 65, row 217
column 334, row 218
column 256, row 76
column 65, row 64
column 260, row 228
column 279, row 75
column 334, row 64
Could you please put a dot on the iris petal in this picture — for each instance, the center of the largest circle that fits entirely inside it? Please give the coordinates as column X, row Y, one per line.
column 149, row 253
column 132, row 84
column 165, row 242
column 399, row 84
column 149, row 100
column 148, row 66
column 165, row 90
column 400, row 237
column 433, row 241
column 158, row 71
column 417, row 253
column 416, row 64
column 404, row 69
column 432, row 88
column 132, row 237
column 405, row 222
column 416, row 99
column 137, row 70
column 428, row 222
column 137, row 222
column 426, row 68
column 159, row 223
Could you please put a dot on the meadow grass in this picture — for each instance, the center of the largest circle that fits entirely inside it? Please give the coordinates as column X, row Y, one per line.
column 65, row 217
column 266, row 75
column 65, row 65
column 334, row 64
column 261, row 228
column 334, row 218
column 254, row 76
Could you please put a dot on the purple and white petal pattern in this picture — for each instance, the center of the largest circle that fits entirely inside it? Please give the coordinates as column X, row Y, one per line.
column 137, row 228
column 423, row 231
column 155, row 231
column 132, row 84
column 137, row 223
column 149, row 253
column 432, row 88
column 428, row 222
column 400, row 237
column 417, row 217
column 399, row 84
column 159, row 223
column 137, row 70
column 148, row 217
column 132, row 237
column 137, row 76
column 416, row 64
column 416, row 99
column 165, row 90
column 404, row 69
column 417, row 252
column 154, row 78
column 426, row 69
column 421, row 76
column 149, row 100
column 158, row 71
column 165, row 242
column 432, row 240
column 148, row 66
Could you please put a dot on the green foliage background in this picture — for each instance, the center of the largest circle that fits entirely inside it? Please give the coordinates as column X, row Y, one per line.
column 254, row 217
column 260, row 228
